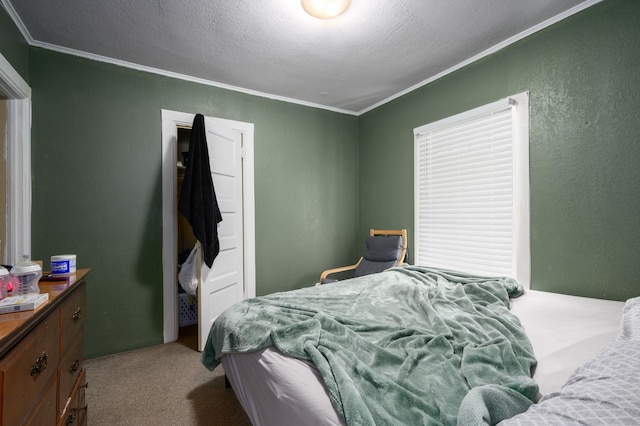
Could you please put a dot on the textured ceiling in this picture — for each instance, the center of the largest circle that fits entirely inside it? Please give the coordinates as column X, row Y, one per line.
column 372, row 52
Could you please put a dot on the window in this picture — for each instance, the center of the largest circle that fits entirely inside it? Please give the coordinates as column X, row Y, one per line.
column 472, row 191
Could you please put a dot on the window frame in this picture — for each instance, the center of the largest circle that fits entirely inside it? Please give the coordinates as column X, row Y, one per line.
column 521, row 256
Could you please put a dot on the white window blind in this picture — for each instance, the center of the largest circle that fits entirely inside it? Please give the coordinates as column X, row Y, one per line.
column 467, row 182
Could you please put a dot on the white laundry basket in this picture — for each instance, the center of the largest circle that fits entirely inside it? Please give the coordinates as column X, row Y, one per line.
column 187, row 309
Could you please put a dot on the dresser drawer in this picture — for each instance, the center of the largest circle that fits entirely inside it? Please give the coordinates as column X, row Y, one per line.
column 70, row 367
column 28, row 368
column 70, row 414
column 45, row 410
column 82, row 403
column 73, row 316
column 75, row 412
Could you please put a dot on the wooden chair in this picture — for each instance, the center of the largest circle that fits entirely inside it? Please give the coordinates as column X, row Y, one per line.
column 385, row 248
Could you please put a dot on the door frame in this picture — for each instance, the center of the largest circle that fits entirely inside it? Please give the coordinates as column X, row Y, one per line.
column 18, row 94
column 170, row 121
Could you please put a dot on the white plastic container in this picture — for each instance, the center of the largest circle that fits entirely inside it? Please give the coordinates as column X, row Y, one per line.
column 63, row 264
column 25, row 277
column 5, row 278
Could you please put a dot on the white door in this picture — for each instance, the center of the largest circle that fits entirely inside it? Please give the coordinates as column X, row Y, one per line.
column 223, row 284
column 233, row 275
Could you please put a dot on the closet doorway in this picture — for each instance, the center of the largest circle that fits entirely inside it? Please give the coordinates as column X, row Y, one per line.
column 232, row 275
column 187, row 303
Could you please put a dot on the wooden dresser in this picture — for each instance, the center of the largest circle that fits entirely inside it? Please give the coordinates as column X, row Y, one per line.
column 42, row 358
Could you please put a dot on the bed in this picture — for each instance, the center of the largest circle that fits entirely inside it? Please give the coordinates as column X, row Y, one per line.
column 605, row 390
column 411, row 345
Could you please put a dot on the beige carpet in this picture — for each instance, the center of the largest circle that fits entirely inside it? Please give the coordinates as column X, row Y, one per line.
column 160, row 385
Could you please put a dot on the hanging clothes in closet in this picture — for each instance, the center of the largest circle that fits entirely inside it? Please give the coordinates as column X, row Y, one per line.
column 197, row 202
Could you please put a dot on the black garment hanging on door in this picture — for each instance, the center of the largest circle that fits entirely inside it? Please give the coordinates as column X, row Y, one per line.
column 198, row 201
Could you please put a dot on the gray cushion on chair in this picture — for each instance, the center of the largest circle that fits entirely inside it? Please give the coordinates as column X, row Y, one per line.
column 383, row 248
column 367, row 267
column 383, row 252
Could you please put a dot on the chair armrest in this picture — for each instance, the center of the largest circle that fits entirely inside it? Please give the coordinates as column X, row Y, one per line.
column 336, row 270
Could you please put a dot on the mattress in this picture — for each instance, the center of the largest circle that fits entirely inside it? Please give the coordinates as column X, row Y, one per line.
column 565, row 331
column 604, row 391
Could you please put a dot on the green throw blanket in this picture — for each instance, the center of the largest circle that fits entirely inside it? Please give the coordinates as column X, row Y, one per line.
column 401, row 347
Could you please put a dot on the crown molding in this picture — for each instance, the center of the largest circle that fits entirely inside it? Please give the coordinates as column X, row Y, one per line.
column 485, row 53
column 16, row 20
column 184, row 77
column 25, row 33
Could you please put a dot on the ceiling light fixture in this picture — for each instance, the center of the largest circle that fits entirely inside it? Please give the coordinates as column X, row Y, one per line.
column 325, row 9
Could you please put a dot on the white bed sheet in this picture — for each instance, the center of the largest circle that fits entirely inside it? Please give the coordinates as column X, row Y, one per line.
column 565, row 331
column 276, row 390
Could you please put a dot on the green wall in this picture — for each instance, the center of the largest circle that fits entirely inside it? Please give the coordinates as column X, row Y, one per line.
column 97, row 186
column 13, row 46
column 584, row 79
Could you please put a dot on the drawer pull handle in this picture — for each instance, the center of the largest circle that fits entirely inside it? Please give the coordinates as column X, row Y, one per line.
column 71, row 417
column 77, row 314
column 40, row 365
column 74, row 366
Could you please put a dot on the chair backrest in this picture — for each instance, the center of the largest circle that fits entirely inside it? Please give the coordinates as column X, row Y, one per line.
column 385, row 249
